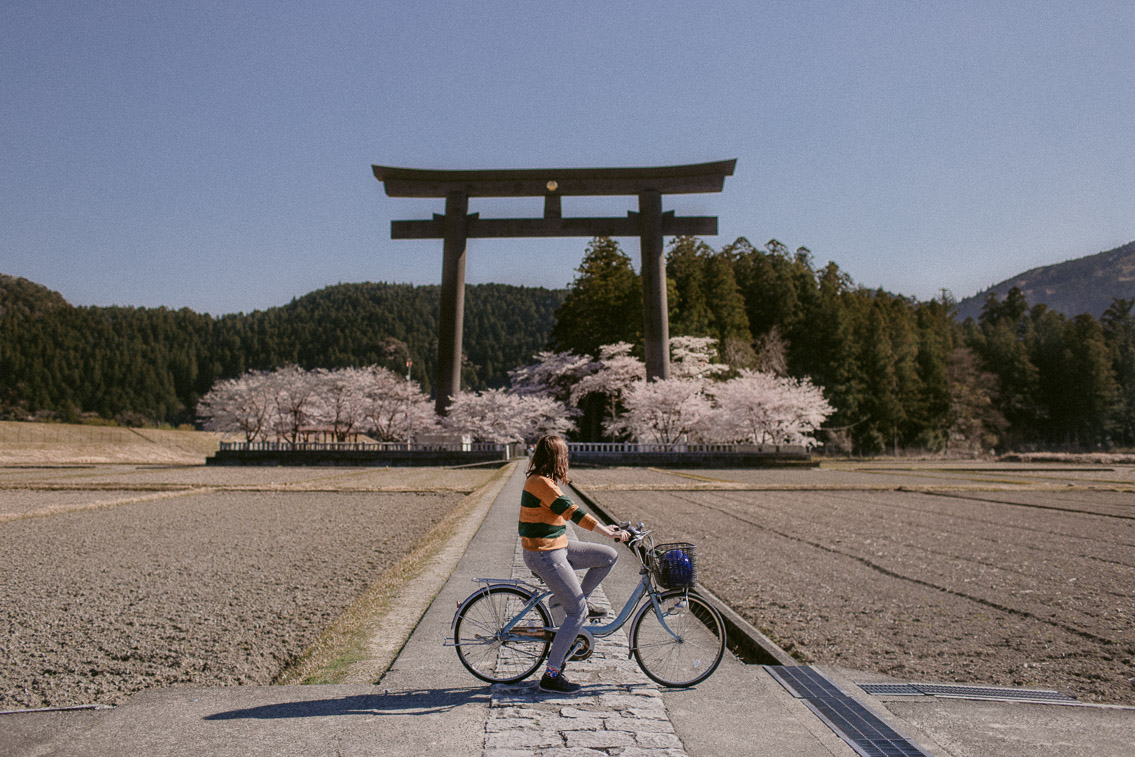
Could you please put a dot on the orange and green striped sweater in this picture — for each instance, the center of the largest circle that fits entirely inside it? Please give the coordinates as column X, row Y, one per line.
column 544, row 513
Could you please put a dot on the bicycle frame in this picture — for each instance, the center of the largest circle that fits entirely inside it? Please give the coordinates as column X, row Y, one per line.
column 538, row 594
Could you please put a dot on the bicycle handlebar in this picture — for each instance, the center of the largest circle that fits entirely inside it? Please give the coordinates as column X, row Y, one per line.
column 638, row 533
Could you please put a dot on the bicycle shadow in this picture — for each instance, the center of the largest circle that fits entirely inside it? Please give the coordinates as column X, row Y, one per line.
column 415, row 702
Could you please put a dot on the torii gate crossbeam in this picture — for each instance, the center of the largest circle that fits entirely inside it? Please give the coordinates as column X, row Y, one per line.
column 650, row 224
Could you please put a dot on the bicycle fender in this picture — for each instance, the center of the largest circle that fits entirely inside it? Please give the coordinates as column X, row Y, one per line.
column 462, row 605
column 489, row 583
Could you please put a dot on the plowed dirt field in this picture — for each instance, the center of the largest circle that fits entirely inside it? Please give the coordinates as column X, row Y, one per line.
column 119, row 578
column 1004, row 575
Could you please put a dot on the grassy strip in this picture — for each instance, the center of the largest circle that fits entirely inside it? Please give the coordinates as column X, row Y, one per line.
column 346, row 644
column 291, row 487
column 915, row 488
column 104, row 505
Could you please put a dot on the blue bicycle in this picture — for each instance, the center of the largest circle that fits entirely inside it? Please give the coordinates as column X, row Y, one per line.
column 503, row 630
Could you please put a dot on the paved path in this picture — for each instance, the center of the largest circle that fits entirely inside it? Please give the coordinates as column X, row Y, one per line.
column 740, row 710
column 619, row 707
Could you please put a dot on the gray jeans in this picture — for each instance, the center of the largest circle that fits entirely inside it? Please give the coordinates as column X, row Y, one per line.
column 557, row 569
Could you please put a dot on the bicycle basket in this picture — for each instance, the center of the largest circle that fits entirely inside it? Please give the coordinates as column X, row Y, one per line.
column 674, row 566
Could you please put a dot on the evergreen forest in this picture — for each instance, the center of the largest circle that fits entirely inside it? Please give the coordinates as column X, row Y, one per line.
column 902, row 374
column 144, row 366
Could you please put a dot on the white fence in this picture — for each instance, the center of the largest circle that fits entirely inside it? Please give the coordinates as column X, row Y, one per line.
column 582, row 449
column 363, row 447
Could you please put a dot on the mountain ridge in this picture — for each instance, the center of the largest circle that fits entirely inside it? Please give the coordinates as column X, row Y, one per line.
column 1082, row 285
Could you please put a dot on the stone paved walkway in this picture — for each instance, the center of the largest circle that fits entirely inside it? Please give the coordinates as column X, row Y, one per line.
column 619, row 711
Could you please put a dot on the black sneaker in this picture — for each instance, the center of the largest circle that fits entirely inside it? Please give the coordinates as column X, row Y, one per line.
column 558, row 685
column 594, row 612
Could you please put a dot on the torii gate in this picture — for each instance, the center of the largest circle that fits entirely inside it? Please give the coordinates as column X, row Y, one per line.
column 650, row 224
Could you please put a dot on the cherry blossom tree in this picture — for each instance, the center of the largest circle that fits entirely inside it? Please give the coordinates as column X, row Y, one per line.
column 283, row 403
column 394, row 408
column 293, row 393
column 613, row 374
column 496, row 415
column 554, row 374
column 762, row 408
column 240, row 404
column 340, row 400
column 691, row 356
column 544, row 415
column 664, row 412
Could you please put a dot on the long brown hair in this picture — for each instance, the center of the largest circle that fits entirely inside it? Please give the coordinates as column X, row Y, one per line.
column 550, row 458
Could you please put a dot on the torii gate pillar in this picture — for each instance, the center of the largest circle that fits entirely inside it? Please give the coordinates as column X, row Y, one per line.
column 451, row 310
column 650, row 224
column 655, row 311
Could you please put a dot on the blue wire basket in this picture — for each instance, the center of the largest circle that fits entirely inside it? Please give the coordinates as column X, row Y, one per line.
column 675, row 566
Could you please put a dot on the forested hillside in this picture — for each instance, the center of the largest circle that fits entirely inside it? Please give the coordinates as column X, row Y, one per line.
column 20, row 298
column 901, row 374
column 151, row 365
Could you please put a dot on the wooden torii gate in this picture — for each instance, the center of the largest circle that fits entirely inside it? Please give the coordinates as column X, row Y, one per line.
column 650, row 224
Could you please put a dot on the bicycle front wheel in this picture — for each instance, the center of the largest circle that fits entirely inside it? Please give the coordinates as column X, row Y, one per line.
column 486, row 650
column 688, row 648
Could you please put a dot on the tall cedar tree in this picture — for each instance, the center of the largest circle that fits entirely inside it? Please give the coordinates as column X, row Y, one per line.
column 685, row 268
column 604, row 303
column 1119, row 331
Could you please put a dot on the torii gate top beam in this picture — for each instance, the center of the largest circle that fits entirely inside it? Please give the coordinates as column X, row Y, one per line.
column 538, row 182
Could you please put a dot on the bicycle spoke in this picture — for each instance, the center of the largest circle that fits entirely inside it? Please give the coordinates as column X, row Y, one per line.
column 684, row 651
column 484, row 648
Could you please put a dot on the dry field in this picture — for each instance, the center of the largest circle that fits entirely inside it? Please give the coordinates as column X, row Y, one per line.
column 119, row 578
column 66, row 444
column 1015, row 575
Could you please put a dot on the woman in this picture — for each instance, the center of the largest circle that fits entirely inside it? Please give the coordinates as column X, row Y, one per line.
column 544, row 513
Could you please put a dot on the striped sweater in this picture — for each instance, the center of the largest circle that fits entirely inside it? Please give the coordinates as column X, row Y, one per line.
column 544, row 513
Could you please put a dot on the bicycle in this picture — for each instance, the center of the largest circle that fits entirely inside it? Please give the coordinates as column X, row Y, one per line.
column 502, row 632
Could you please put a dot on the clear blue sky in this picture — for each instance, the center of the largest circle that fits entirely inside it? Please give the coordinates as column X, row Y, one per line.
column 216, row 155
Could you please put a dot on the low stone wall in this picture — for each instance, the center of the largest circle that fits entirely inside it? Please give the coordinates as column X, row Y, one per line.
column 692, row 459
column 354, row 458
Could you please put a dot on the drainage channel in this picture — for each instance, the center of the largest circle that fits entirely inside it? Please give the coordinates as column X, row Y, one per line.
column 961, row 691
column 862, row 730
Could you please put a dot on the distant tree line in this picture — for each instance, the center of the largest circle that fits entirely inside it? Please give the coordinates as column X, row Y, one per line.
column 1057, row 381
column 142, row 366
column 901, row 374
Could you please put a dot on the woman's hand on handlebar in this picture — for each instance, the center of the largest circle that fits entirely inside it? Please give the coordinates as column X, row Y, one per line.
column 612, row 532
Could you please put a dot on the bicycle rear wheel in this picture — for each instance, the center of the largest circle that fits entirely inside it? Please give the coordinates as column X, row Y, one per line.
column 483, row 647
column 692, row 652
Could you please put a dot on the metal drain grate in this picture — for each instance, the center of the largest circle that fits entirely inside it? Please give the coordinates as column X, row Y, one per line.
column 961, row 691
column 893, row 689
column 862, row 729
